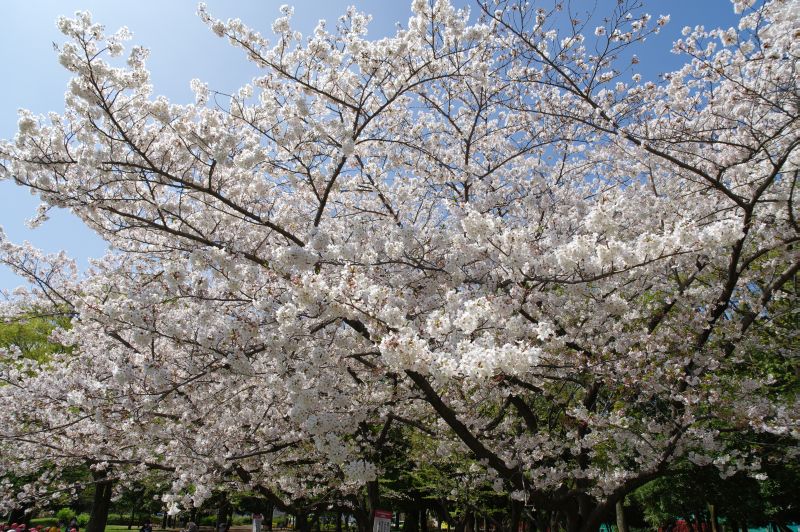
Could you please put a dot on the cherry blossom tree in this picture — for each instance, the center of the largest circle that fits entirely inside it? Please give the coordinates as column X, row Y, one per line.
column 118, row 408
column 491, row 231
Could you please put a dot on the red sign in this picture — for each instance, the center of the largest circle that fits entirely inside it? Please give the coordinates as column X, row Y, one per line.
column 382, row 521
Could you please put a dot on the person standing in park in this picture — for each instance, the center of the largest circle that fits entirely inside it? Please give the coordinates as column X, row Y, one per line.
column 258, row 518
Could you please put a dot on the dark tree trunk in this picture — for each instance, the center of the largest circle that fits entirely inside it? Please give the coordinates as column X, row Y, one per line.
column 363, row 520
column 301, row 522
column 423, row 519
column 542, row 520
column 554, row 521
column 222, row 510
column 442, row 514
column 622, row 524
column 269, row 511
column 101, row 502
column 573, row 521
column 516, row 516
column 339, row 521
column 712, row 516
column 410, row 521
column 530, row 522
column 373, row 501
column 469, row 522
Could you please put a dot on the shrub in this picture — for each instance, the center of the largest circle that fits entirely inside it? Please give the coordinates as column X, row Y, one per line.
column 65, row 514
column 83, row 520
column 44, row 521
column 208, row 520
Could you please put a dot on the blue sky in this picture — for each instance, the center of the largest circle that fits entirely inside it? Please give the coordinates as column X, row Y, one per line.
column 183, row 48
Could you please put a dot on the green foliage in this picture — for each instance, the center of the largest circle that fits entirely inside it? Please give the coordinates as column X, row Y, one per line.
column 142, row 499
column 280, row 521
column 248, row 502
column 775, row 360
column 739, row 498
column 239, row 520
column 65, row 514
column 44, row 521
column 416, row 476
column 208, row 520
column 31, row 334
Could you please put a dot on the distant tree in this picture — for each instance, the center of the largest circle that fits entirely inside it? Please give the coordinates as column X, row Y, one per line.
column 740, row 500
